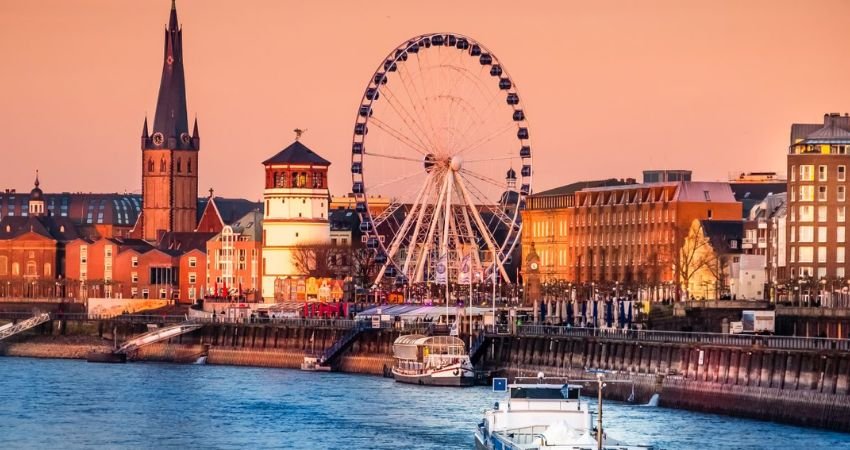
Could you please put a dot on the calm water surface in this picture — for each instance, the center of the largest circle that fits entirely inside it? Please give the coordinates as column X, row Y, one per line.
column 73, row 404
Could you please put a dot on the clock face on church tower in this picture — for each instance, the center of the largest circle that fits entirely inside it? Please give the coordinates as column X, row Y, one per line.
column 534, row 266
column 158, row 138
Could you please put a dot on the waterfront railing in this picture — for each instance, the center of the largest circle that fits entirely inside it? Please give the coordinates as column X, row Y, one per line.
column 673, row 337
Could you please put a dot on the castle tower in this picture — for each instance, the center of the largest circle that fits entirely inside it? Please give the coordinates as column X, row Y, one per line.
column 296, row 210
column 169, row 152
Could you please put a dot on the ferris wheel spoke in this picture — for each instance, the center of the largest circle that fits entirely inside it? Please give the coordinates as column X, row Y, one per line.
column 483, row 178
column 497, row 212
column 486, row 139
column 484, row 116
column 426, row 248
column 412, row 123
column 423, row 103
column 498, row 158
column 398, row 135
column 394, row 180
column 399, row 158
column 407, row 82
column 485, row 232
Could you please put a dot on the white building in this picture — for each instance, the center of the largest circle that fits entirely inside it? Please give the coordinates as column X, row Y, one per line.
column 747, row 277
column 296, row 211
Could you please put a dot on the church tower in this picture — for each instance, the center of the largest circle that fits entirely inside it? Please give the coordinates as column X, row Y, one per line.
column 169, row 152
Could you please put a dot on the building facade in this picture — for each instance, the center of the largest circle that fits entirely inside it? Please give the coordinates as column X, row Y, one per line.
column 296, row 201
column 615, row 235
column 170, row 161
column 818, row 158
column 233, row 258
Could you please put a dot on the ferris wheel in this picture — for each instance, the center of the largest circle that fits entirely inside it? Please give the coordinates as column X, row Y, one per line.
column 441, row 162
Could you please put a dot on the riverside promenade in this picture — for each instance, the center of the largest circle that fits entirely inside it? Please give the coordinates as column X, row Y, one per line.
column 804, row 381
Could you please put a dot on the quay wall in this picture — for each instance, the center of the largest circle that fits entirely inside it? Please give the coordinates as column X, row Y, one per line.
column 809, row 388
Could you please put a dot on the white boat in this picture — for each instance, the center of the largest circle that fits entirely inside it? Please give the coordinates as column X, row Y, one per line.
column 542, row 414
column 313, row 364
column 432, row 360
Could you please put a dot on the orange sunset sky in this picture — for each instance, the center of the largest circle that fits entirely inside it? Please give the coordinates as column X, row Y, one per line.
column 610, row 87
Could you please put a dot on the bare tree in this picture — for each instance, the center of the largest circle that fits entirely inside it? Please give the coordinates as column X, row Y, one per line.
column 695, row 255
column 320, row 260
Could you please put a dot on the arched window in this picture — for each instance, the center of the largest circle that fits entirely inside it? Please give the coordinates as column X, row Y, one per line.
column 162, row 165
column 179, row 165
column 294, row 179
column 302, row 179
column 4, row 265
column 47, row 269
column 189, row 165
column 16, row 268
column 32, row 269
column 150, row 165
column 282, row 180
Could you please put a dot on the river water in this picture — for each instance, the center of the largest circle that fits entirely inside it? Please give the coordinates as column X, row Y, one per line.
column 66, row 404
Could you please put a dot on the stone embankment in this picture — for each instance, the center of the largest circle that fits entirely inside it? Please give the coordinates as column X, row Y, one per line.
column 62, row 347
column 793, row 386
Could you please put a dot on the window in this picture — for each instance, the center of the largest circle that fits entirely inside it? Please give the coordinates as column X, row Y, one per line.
column 709, row 214
column 822, row 193
column 47, row 269
column 134, row 277
column 134, row 262
column 793, row 173
column 821, row 213
column 842, row 173
column 807, row 173
column 189, row 165
column 192, row 295
column 839, row 215
column 807, row 234
column 821, row 234
column 193, row 277
column 806, row 254
column 84, row 254
column 193, row 262
column 839, row 272
column 162, row 165
column 821, row 173
column 821, row 254
column 839, row 254
column 150, row 165
column 793, row 233
column 4, row 262
column 841, row 193
column 839, row 234
column 179, row 166
column 807, row 193
column 32, row 270
column 807, row 213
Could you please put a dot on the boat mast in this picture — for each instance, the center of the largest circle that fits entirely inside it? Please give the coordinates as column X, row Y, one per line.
column 599, row 419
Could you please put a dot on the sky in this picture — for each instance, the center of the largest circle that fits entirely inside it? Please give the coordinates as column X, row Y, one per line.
column 610, row 88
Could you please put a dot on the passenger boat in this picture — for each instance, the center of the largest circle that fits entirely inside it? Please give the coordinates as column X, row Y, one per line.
column 542, row 414
column 432, row 360
column 313, row 364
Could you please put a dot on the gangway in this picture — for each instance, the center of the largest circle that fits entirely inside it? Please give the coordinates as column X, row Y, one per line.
column 24, row 325
column 158, row 335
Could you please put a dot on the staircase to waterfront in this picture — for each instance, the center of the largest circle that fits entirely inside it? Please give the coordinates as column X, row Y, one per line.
column 11, row 329
column 342, row 344
column 157, row 335
column 477, row 346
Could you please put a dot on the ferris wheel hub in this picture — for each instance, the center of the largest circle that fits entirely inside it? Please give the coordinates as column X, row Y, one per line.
column 456, row 163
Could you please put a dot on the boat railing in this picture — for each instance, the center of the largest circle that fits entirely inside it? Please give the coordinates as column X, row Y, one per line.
column 524, row 436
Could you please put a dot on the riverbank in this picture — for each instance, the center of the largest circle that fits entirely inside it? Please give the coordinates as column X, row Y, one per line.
column 57, row 347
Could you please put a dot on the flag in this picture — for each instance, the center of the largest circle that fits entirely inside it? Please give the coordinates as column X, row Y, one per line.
column 442, row 270
column 465, row 272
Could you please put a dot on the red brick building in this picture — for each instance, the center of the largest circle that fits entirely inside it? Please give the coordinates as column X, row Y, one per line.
column 234, row 258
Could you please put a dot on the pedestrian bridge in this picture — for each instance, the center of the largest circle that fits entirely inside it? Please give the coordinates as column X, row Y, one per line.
column 158, row 335
column 12, row 329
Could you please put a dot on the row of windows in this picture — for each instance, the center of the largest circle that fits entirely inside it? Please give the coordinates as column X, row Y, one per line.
column 807, row 173
column 806, row 254
column 298, row 180
column 821, row 272
column 546, row 228
column 806, row 213
column 807, row 193
column 163, row 165
column 806, row 234
column 31, row 268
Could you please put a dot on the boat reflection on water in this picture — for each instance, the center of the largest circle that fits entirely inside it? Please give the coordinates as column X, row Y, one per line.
column 544, row 414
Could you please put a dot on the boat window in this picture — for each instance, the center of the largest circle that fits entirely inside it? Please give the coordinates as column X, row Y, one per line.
column 544, row 393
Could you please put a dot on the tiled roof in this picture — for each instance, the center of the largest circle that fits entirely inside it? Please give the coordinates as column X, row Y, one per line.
column 574, row 187
column 230, row 209
column 184, row 241
column 57, row 228
column 297, row 153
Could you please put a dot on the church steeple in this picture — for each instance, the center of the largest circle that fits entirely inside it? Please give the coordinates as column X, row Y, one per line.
column 171, row 123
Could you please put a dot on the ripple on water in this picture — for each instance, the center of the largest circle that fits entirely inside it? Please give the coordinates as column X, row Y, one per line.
column 73, row 404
